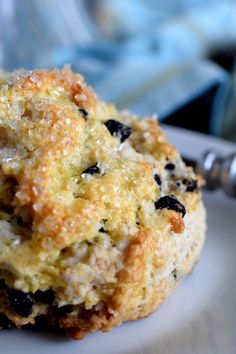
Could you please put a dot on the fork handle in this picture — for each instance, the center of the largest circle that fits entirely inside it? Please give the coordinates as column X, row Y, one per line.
column 219, row 171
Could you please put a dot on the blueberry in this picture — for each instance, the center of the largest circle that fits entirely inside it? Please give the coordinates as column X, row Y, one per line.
column 174, row 273
column 5, row 323
column 103, row 229
column 2, row 284
column 157, row 179
column 18, row 220
column 191, row 185
column 92, row 170
column 118, row 129
column 21, row 302
column 84, row 113
column 63, row 310
column 170, row 167
column 170, row 202
column 46, row 297
column 41, row 322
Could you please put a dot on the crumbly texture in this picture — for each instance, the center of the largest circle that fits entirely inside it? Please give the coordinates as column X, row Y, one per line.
column 100, row 219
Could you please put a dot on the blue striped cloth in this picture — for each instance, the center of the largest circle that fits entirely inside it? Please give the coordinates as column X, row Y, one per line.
column 142, row 55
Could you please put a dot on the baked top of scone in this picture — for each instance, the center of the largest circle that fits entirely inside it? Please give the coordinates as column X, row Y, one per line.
column 81, row 186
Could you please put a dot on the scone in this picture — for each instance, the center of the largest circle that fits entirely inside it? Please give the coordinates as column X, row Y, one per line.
column 100, row 219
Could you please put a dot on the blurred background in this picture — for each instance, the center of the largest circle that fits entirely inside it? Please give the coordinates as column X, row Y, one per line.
column 176, row 58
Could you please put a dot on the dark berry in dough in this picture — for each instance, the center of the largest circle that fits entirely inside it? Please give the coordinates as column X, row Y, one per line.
column 46, row 297
column 170, row 202
column 5, row 323
column 92, row 170
column 191, row 185
column 118, row 129
column 21, row 302
column 157, row 179
column 84, row 113
column 170, row 166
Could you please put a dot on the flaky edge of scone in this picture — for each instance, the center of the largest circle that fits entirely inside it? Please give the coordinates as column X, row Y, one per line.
column 119, row 309
column 79, row 322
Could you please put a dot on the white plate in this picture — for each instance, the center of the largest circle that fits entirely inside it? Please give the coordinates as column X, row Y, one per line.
column 198, row 318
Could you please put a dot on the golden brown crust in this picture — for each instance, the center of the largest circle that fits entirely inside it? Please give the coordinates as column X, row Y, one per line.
column 149, row 138
column 177, row 222
column 41, row 82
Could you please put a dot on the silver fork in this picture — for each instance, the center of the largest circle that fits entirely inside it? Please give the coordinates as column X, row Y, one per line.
column 219, row 172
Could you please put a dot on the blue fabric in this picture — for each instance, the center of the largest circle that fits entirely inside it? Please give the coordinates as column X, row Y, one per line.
column 151, row 60
column 163, row 69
